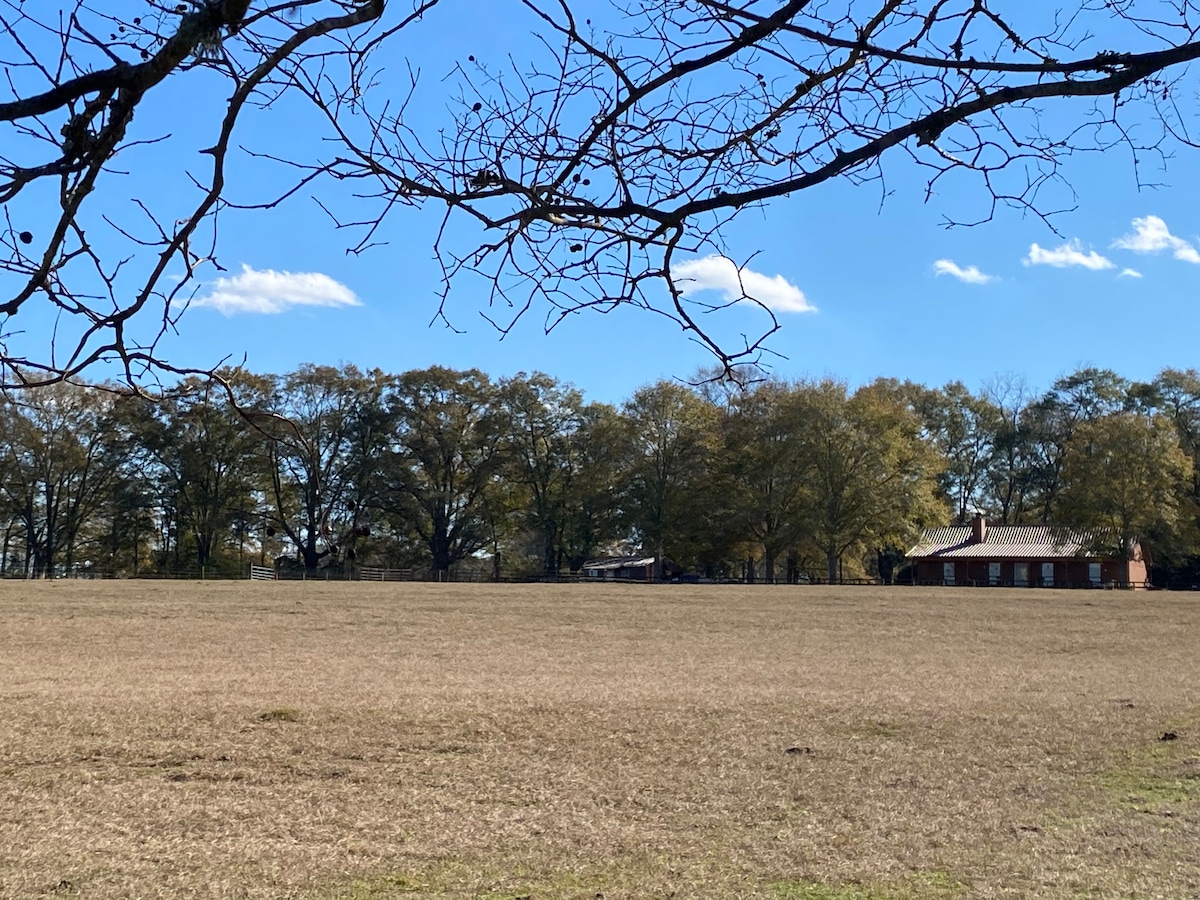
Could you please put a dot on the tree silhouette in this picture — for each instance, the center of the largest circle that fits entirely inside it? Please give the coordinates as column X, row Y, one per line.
column 629, row 138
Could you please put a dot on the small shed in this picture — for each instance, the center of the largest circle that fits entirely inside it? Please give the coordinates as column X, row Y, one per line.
column 628, row 568
column 1022, row 556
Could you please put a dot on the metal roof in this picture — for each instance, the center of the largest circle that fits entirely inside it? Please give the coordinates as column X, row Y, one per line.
column 619, row 562
column 1005, row 542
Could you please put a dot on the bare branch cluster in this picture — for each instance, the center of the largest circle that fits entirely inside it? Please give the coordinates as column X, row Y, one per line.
column 636, row 138
column 574, row 179
column 77, row 74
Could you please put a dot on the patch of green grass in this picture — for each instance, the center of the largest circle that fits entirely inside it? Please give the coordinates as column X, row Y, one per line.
column 281, row 714
column 919, row 886
column 461, row 881
column 872, row 728
column 934, row 884
column 382, row 887
column 1161, row 774
column 815, row 890
column 1148, row 789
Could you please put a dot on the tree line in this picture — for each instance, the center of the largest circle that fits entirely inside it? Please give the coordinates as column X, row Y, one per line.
column 454, row 473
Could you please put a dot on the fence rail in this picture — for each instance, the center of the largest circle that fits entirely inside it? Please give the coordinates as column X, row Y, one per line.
column 371, row 573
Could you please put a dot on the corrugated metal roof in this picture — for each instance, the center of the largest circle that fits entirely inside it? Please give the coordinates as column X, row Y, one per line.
column 1003, row 542
column 619, row 562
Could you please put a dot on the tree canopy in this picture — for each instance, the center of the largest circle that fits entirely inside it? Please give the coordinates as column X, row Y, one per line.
column 454, row 474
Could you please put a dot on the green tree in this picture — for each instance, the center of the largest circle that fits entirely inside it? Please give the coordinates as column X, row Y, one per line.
column 561, row 453
column 597, row 495
column 1124, row 478
column 1047, row 426
column 323, row 429
column 963, row 427
column 127, row 520
column 767, row 468
column 444, row 458
column 1176, row 394
column 64, row 451
column 674, row 444
column 204, row 458
column 539, row 417
column 1008, row 483
column 872, row 478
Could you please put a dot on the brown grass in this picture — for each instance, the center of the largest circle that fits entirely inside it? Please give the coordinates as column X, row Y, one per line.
column 373, row 742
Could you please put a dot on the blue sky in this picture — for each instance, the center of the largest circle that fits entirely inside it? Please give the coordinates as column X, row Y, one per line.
column 864, row 289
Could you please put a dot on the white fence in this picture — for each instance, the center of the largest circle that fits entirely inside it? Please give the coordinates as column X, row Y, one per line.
column 261, row 573
column 369, row 573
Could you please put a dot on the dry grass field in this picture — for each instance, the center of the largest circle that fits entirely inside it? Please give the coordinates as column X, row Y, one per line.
column 374, row 742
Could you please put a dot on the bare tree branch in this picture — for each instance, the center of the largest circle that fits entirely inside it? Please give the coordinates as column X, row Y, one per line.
column 579, row 174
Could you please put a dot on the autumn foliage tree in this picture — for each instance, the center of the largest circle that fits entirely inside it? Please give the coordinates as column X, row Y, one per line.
column 1126, row 479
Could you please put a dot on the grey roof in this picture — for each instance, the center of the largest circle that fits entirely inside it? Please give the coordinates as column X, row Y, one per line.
column 619, row 562
column 1005, row 542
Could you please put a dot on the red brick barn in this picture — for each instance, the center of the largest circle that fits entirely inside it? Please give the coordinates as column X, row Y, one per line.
column 1021, row 556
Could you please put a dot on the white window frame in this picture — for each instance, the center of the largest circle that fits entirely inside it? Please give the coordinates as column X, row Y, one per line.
column 1047, row 574
column 1021, row 574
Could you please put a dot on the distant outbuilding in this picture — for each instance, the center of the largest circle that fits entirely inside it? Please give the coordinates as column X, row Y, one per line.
column 629, row 568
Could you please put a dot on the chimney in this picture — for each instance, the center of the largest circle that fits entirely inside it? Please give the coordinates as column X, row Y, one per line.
column 978, row 529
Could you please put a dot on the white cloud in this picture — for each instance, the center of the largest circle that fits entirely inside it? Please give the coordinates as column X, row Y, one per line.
column 268, row 291
column 1151, row 235
column 1069, row 254
column 971, row 274
column 1130, row 273
column 719, row 273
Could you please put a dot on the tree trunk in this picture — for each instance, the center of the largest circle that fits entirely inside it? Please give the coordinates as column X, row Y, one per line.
column 203, row 548
column 831, row 560
column 769, row 565
column 439, row 548
column 308, row 553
